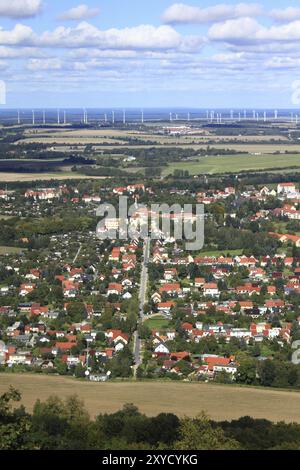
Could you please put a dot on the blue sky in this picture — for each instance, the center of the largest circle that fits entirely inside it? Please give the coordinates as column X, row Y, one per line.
column 137, row 53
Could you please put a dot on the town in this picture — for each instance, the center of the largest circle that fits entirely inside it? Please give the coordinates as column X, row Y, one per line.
column 148, row 309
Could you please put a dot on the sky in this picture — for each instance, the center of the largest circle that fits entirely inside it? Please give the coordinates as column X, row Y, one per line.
column 158, row 53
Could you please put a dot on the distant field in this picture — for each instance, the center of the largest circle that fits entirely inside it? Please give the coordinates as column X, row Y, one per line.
column 219, row 401
column 114, row 136
column 251, row 148
column 234, row 163
column 11, row 177
column 69, row 140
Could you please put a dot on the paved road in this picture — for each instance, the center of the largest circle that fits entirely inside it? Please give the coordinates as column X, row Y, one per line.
column 142, row 301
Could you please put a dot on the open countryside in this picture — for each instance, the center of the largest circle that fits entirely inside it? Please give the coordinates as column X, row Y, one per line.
column 219, row 401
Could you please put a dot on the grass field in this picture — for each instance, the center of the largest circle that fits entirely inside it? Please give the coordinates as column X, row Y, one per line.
column 234, row 163
column 219, row 401
column 221, row 252
column 157, row 323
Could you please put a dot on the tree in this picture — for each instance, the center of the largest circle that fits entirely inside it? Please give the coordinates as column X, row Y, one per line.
column 15, row 424
column 199, row 434
column 144, row 331
column 247, row 372
column 267, row 373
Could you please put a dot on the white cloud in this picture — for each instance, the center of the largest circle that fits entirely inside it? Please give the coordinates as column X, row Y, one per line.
column 109, row 54
column 85, row 35
column 20, row 8
column 247, row 31
column 19, row 35
column 286, row 15
column 80, row 12
column 139, row 37
column 186, row 14
column 44, row 64
column 229, row 58
column 19, row 52
column 242, row 29
column 283, row 63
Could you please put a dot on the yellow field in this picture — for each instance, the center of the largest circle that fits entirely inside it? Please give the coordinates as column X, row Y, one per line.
column 11, row 177
column 219, row 401
column 112, row 136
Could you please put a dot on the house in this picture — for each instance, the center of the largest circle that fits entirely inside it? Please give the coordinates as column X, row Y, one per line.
column 165, row 307
column 199, row 282
column 170, row 273
column 19, row 358
column 25, row 289
column 33, row 275
column 286, row 188
column 156, row 298
column 211, row 289
column 114, row 289
column 170, row 289
column 64, row 346
column 161, row 348
column 220, row 364
column 115, row 254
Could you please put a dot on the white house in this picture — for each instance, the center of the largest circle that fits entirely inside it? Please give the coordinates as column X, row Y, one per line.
column 162, row 349
column 211, row 289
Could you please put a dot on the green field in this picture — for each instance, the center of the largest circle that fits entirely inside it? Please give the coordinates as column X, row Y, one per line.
column 157, row 323
column 221, row 252
column 234, row 163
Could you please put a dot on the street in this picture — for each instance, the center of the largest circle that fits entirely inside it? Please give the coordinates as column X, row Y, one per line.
column 142, row 301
